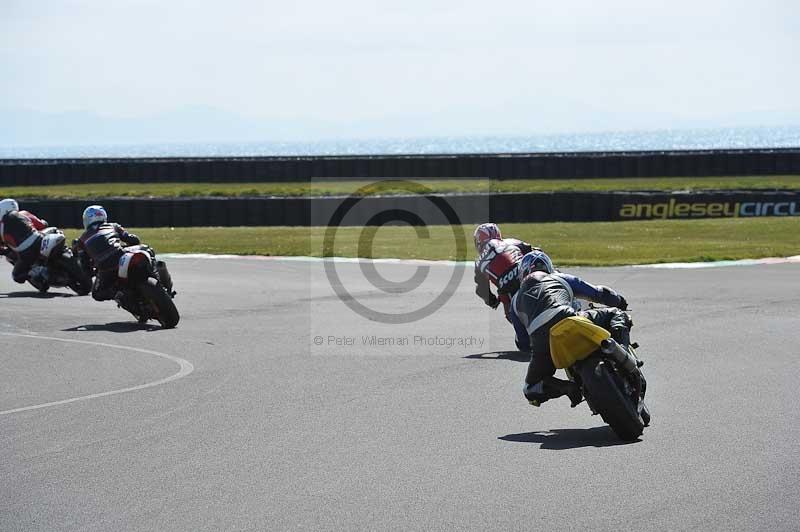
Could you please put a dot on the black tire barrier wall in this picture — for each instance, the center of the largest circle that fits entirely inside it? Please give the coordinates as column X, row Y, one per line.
column 470, row 208
column 23, row 172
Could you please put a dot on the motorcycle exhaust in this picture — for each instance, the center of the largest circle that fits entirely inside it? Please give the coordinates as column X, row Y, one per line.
column 619, row 355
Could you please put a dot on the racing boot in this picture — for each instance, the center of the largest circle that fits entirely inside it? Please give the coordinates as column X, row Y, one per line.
column 557, row 387
column 120, row 299
column 103, row 293
column 534, row 394
column 551, row 388
column 39, row 279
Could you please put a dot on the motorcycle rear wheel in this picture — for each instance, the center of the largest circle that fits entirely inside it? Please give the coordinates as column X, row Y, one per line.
column 153, row 293
column 613, row 406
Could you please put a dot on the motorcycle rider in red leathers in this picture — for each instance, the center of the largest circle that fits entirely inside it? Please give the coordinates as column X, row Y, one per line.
column 497, row 264
column 21, row 237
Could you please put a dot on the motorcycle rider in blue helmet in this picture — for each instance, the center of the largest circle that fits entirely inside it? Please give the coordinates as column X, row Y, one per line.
column 102, row 242
column 545, row 297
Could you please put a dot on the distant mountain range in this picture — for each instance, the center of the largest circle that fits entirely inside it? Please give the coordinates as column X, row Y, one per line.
column 185, row 125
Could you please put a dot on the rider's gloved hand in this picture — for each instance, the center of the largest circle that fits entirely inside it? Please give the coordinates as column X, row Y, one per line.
column 493, row 301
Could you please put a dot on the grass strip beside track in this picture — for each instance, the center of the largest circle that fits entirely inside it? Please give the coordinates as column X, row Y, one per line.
column 570, row 244
column 331, row 188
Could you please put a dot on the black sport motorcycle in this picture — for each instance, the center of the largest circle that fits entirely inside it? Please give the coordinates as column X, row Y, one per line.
column 56, row 266
column 144, row 287
column 609, row 375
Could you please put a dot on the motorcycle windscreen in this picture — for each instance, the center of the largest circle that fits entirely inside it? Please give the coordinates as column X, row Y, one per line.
column 573, row 339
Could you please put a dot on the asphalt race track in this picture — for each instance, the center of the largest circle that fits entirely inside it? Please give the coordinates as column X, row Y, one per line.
column 285, row 409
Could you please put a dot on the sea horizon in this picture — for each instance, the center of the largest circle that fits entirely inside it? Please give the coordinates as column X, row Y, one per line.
column 621, row 141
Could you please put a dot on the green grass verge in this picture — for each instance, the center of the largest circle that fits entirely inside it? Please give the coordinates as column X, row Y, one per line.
column 190, row 190
column 570, row 244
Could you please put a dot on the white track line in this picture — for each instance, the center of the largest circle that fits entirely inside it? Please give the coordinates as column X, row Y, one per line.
column 186, row 368
column 300, row 258
column 721, row 263
column 669, row 265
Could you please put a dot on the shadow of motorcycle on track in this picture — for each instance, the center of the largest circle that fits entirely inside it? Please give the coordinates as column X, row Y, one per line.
column 36, row 295
column 117, row 327
column 515, row 356
column 561, row 439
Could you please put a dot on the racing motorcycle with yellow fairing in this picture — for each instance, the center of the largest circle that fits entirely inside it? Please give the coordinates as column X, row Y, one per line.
column 609, row 375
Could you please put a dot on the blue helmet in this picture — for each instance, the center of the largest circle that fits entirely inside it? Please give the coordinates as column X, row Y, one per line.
column 535, row 261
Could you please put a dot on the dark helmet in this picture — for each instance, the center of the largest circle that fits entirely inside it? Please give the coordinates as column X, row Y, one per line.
column 535, row 261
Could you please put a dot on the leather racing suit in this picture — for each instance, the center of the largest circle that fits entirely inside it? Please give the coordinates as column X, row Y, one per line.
column 497, row 265
column 20, row 236
column 102, row 243
column 40, row 224
column 545, row 299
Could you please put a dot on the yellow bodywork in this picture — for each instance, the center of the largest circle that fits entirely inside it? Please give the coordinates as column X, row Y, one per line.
column 573, row 339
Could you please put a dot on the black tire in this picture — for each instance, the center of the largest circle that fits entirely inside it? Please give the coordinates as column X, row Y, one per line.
column 615, row 408
column 79, row 282
column 152, row 292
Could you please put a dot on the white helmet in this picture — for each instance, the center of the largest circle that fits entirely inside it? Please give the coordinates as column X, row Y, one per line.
column 94, row 214
column 7, row 205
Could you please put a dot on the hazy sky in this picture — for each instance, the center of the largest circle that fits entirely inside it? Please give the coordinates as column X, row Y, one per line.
column 350, row 68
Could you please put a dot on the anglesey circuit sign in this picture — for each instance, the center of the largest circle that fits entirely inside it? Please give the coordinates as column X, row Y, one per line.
column 707, row 209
